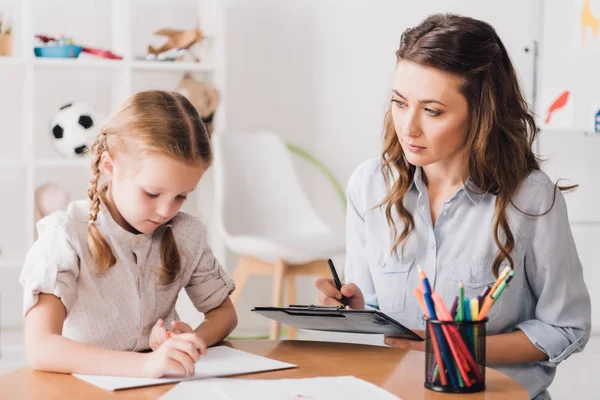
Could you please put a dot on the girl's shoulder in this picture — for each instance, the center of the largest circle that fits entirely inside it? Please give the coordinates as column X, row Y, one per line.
column 71, row 220
column 189, row 230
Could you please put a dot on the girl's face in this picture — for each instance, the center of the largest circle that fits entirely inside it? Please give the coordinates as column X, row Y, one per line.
column 430, row 114
column 148, row 191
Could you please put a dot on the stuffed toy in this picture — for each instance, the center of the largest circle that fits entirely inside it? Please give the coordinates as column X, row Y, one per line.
column 203, row 96
column 49, row 198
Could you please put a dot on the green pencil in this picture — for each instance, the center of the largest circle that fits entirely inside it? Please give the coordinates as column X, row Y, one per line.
column 460, row 311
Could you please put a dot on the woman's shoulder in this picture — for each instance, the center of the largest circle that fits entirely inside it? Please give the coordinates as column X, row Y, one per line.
column 366, row 186
column 366, row 176
column 536, row 190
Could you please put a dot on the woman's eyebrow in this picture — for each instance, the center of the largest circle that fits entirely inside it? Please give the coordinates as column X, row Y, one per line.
column 426, row 101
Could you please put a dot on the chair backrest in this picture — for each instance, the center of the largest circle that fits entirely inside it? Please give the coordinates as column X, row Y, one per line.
column 257, row 191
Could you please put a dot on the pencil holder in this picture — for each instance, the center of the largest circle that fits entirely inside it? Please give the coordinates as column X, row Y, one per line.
column 455, row 356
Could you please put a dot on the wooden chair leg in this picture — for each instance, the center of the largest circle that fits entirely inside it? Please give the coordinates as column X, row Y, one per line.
column 291, row 294
column 278, row 277
column 240, row 277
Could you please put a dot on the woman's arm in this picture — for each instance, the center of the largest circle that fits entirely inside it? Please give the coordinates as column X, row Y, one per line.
column 48, row 350
column 218, row 323
column 511, row 348
column 506, row 348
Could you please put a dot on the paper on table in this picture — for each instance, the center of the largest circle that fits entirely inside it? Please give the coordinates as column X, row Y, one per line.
column 219, row 361
column 334, row 388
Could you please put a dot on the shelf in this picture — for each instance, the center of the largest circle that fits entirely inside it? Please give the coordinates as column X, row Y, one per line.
column 567, row 132
column 172, row 66
column 77, row 62
column 11, row 263
column 12, row 163
column 62, row 163
column 11, row 61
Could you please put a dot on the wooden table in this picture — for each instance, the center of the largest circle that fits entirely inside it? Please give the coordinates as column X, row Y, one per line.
column 398, row 371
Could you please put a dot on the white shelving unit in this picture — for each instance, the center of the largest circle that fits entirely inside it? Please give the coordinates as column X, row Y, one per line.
column 35, row 88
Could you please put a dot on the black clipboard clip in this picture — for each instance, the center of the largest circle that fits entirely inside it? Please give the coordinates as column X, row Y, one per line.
column 314, row 307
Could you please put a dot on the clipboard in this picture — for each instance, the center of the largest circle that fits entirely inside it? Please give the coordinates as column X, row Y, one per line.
column 338, row 319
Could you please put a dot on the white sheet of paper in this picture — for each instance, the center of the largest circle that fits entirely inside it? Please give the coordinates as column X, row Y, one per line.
column 219, row 361
column 329, row 388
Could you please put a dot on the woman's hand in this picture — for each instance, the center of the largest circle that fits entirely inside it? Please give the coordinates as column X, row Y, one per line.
column 176, row 356
column 159, row 334
column 406, row 343
column 329, row 295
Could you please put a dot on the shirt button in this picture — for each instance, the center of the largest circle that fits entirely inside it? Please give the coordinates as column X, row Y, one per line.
column 433, row 245
column 145, row 331
column 473, row 279
column 138, row 240
column 141, row 272
column 445, row 213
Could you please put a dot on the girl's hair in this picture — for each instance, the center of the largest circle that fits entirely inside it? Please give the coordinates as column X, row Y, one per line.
column 151, row 121
column 501, row 127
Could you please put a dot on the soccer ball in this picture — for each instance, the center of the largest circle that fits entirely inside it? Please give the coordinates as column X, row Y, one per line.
column 74, row 128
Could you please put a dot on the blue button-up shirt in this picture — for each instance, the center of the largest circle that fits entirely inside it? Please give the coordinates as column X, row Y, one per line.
column 547, row 299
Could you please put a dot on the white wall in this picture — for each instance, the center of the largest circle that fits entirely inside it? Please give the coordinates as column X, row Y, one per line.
column 319, row 72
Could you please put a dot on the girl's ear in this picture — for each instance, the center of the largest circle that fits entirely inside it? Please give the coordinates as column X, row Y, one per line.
column 107, row 165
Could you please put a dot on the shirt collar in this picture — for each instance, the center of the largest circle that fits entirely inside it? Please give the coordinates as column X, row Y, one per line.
column 115, row 230
column 472, row 191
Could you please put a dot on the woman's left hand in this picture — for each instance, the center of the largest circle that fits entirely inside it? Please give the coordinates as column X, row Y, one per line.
column 406, row 343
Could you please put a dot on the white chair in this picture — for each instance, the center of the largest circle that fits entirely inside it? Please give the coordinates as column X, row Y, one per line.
column 265, row 216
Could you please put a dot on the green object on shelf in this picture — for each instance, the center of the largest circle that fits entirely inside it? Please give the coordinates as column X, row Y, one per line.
column 306, row 155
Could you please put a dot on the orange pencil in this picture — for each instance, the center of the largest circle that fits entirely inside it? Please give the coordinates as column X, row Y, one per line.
column 434, row 342
column 171, row 334
column 500, row 279
column 487, row 304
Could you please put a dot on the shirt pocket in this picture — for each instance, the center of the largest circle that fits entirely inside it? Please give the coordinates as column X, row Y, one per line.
column 390, row 277
column 475, row 276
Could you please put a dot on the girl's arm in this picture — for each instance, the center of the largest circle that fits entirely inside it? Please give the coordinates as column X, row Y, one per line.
column 218, row 323
column 48, row 350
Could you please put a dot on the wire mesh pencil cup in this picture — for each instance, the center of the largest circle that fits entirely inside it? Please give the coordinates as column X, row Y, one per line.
column 455, row 356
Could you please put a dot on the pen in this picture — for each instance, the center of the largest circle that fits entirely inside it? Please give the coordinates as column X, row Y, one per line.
column 336, row 279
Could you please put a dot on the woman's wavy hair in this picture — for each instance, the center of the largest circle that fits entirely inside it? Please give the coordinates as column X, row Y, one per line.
column 150, row 121
column 501, row 126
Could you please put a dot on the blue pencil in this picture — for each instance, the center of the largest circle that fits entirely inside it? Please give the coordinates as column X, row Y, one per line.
column 467, row 327
column 438, row 333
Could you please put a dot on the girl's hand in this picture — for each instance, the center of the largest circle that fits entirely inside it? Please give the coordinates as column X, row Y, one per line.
column 159, row 333
column 329, row 295
column 406, row 343
column 176, row 356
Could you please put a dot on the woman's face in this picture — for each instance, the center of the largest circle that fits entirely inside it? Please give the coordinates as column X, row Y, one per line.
column 430, row 114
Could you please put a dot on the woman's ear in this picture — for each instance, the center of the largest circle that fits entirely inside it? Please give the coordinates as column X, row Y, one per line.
column 107, row 165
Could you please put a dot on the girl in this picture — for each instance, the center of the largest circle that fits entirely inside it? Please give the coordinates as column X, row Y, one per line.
column 459, row 191
column 103, row 277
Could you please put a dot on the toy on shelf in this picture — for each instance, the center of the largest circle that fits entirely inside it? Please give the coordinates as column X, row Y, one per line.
column 178, row 44
column 65, row 48
column 49, row 197
column 203, row 96
column 74, row 128
column 6, row 37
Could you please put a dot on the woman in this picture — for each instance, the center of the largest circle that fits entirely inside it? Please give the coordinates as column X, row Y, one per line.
column 459, row 191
